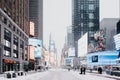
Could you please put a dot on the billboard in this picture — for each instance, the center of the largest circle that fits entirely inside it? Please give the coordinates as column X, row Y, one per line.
column 71, row 51
column 103, row 58
column 32, row 28
column 69, row 61
column 31, row 52
column 117, row 41
column 38, row 47
column 83, row 45
column 100, row 40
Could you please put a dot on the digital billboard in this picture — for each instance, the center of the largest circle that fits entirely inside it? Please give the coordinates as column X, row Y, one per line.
column 100, row 40
column 117, row 41
column 83, row 45
column 37, row 47
column 31, row 52
column 32, row 28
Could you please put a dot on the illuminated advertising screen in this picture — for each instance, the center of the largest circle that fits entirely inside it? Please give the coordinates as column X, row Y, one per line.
column 100, row 40
column 83, row 46
column 37, row 47
column 32, row 28
column 31, row 52
column 117, row 41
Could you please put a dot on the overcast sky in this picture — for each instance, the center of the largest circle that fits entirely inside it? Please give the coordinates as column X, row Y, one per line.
column 58, row 15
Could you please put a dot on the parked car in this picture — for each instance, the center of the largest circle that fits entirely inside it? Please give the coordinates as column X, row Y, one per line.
column 114, row 71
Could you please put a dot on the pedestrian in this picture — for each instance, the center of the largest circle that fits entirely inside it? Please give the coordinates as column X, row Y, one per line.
column 84, row 70
column 100, row 70
column 81, row 70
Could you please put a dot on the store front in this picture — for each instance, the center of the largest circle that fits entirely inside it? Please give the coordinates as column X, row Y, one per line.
column 10, row 65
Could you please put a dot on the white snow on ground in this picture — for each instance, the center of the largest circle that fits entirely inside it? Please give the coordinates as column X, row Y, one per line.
column 73, row 74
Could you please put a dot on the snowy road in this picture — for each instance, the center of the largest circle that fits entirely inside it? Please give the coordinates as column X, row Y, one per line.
column 59, row 74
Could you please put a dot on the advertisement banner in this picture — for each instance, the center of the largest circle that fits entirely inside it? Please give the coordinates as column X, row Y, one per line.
column 37, row 47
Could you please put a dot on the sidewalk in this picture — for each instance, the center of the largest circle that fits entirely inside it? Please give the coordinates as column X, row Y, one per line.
column 25, row 73
column 104, row 75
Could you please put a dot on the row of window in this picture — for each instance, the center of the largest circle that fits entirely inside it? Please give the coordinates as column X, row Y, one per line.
column 13, row 28
column 90, row 24
column 7, row 45
column 90, row 15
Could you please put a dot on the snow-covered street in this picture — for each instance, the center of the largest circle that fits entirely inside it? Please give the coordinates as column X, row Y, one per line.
column 59, row 74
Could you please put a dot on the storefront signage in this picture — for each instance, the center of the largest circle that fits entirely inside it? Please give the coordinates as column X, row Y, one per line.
column 95, row 58
column 9, row 61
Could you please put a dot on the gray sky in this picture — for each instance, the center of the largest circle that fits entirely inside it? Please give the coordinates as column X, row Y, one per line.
column 58, row 15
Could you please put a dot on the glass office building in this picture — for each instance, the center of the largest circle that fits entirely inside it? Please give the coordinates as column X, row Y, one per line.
column 85, row 18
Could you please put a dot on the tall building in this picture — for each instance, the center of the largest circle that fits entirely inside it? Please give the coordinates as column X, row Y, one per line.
column 109, row 25
column 70, row 37
column 118, row 27
column 14, row 31
column 85, row 18
column 36, row 16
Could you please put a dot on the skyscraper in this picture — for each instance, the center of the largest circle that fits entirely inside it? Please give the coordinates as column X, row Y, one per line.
column 85, row 18
column 14, row 31
column 36, row 16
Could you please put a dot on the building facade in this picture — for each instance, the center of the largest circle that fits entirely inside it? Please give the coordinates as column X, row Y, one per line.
column 14, row 30
column 110, row 27
column 118, row 27
column 36, row 16
column 70, row 37
column 85, row 18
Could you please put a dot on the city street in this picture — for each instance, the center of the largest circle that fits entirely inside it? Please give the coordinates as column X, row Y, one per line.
column 60, row 74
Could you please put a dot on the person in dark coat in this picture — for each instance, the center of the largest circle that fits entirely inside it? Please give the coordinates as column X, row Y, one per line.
column 84, row 70
column 100, row 70
column 81, row 70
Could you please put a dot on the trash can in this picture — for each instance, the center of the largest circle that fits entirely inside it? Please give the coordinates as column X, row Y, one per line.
column 21, row 73
column 14, row 75
column 8, row 75
column 18, row 74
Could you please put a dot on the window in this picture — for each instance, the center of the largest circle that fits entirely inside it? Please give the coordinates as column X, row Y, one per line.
column 91, row 7
column 7, row 35
column 5, row 20
column 7, row 53
column 91, row 16
column 6, row 43
column 13, row 28
column 91, row 0
column 91, row 33
column 82, row 7
column 82, row 16
column 14, row 47
column 91, row 24
column 15, row 54
column 81, row 24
